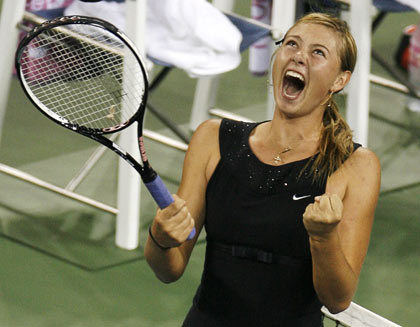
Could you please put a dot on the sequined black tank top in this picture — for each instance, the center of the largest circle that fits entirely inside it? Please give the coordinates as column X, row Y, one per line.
column 257, row 269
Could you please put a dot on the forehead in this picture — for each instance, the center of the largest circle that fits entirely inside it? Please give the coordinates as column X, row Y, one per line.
column 313, row 33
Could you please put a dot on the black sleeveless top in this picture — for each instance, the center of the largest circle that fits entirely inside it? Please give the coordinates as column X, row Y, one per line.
column 257, row 269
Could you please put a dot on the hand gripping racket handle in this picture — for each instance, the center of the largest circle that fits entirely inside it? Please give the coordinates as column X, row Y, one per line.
column 162, row 196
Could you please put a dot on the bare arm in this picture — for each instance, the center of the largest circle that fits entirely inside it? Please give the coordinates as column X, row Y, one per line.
column 171, row 226
column 339, row 224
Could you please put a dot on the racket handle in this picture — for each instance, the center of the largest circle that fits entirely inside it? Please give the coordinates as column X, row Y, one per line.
column 160, row 193
column 162, row 196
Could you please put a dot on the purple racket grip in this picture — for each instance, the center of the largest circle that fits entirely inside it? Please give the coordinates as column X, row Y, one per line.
column 159, row 192
column 162, row 196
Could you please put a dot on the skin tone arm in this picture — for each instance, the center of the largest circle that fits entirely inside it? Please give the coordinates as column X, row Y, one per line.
column 172, row 225
column 339, row 225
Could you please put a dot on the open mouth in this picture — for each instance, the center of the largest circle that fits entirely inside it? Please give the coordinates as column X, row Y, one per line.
column 293, row 84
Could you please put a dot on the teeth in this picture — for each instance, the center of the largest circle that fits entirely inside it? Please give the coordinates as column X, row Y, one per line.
column 296, row 75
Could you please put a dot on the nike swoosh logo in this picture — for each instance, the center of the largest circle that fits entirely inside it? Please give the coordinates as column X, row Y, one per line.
column 296, row 198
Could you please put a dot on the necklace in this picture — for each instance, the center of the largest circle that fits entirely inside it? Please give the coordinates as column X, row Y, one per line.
column 278, row 159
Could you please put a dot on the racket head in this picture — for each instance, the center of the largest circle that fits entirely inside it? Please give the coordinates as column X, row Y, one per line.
column 83, row 73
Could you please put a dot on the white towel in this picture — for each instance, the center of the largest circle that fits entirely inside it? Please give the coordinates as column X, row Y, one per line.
column 189, row 34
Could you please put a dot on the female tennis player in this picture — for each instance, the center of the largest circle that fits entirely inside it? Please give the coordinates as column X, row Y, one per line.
column 287, row 204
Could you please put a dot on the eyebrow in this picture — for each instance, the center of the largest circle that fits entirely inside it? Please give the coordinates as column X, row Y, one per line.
column 314, row 45
column 321, row 46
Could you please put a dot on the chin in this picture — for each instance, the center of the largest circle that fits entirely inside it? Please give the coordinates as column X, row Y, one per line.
column 288, row 107
column 289, row 112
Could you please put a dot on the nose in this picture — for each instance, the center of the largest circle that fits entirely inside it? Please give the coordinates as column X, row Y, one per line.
column 299, row 58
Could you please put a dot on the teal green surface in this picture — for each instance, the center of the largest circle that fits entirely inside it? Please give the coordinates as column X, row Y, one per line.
column 59, row 264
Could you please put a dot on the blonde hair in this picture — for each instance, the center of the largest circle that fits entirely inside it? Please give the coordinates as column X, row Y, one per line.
column 336, row 142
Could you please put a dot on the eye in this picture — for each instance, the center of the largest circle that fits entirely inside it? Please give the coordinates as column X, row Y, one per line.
column 319, row 52
column 291, row 43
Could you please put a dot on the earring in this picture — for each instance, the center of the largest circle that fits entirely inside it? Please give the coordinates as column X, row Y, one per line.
column 330, row 99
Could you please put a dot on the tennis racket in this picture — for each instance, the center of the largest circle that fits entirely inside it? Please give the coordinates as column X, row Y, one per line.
column 86, row 75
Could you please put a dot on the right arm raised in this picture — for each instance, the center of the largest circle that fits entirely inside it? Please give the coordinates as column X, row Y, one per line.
column 172, row 225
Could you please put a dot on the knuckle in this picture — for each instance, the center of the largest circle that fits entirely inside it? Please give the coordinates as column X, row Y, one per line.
column 185, row 211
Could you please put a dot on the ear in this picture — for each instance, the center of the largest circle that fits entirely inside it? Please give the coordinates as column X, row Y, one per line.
column 341, row 81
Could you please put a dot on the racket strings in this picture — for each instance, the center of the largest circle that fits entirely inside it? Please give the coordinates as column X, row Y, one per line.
column 95, row 82
column 84, row 71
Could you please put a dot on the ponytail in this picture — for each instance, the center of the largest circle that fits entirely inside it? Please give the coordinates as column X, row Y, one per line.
column 335, row 146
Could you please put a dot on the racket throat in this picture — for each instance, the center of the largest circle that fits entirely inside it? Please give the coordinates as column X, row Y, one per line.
column 148, row 174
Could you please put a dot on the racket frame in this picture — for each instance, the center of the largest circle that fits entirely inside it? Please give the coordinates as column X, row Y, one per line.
column 146, row 172
column 83, row 20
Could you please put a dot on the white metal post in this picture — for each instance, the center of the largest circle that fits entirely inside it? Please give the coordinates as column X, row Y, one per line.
column 204, row 99
column 128, row 218
column 357, row 114
column 11, row 14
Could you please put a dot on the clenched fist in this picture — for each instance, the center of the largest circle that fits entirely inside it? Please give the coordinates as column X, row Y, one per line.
column 173, row 224
column 321, row 217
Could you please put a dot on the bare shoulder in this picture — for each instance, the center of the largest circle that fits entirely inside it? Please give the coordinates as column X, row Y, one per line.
column 205, row 140
column 364, row 162
column 203, row 151
column 364, row 156
column 207, row 133
column 362, row 170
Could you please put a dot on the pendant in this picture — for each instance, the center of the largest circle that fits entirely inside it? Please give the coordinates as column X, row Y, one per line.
column 277, row 159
